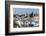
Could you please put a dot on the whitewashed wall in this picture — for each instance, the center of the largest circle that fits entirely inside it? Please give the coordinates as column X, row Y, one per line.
column 2, row 18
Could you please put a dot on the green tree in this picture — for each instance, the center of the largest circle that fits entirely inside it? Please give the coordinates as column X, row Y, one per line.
column 31, row 14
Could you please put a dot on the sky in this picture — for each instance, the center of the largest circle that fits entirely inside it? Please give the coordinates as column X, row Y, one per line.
column 24, row 10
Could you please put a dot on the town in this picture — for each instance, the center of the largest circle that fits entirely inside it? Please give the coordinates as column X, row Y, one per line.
column 26, row 20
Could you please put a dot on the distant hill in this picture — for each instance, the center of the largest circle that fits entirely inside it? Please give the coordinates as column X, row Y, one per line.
column 31, row 14
column 14, row 15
